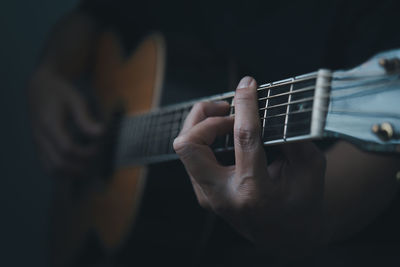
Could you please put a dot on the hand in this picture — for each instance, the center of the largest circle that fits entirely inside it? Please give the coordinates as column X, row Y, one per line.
column 277, row 205
column 55, row 107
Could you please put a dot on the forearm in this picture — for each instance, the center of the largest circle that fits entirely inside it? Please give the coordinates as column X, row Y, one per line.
column 358, row 187
column 69, row 49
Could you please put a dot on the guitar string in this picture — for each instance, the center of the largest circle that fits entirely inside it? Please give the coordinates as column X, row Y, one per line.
column 168, row 138
column 164, row 146
column 163, row 143
column 157, row 128
column 268, row 87
column 279, row 136
column 282, row 104
column 169, row 150
column 149, row 151
column 152, row 124
column 166, row 130
column 331, row 95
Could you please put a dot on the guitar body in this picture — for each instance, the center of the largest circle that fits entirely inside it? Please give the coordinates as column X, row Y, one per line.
column 132, row 83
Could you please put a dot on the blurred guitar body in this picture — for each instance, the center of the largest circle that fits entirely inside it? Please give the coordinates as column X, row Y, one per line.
column 109, row 210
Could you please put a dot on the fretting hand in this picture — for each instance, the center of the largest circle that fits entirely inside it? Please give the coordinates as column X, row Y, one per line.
column 277, row 205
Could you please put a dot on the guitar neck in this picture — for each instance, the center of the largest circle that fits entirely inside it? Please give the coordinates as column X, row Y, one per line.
column 290, row 110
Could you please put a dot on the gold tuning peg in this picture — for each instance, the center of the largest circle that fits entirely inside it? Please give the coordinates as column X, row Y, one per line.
column 384, row 131
column 391, row 65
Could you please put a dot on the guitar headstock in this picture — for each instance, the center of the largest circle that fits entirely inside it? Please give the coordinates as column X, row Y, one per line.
column 364, row 104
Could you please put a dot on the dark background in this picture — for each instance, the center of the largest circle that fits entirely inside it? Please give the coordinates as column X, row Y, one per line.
column 25, row 190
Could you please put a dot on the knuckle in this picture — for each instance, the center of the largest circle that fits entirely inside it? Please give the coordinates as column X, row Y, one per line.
column 183, row 146
column 243, row 205
column 246, row 193
column 213, row 120
column 246, row 137
column 203, row 202
column 200, row 106
column 221, row 207
column 243, row 96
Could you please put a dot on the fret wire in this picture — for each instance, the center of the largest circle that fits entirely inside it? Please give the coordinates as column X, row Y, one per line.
column 279, row 136
column 221, row 98
column 159, row 128
column 309, row 88
column 166, row 143
column 277, row 84
column 270, row 126
column 298, row 122
column 287, row 111
column 156, row 119
column 302, row 121
column 270, row 107
column 176, row 115
column 293, row 102
column 261, row 109
column 265, row 113
column 260, row 99
column 160, row 131
column 290, row 113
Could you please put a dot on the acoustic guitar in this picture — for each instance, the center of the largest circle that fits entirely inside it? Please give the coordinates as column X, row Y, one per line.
column 360, row 105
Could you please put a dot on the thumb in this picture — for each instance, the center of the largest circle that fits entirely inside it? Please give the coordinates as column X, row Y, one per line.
column 82, row 116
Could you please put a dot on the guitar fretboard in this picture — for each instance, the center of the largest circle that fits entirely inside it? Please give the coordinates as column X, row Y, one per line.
column 287, row 110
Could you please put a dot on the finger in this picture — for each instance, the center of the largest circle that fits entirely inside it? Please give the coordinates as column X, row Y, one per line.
column 64, row 143
column 203, row 110
column 195, row 153
column 201, row 197
column 249, row 152
column 56, row 163
column 82, row 117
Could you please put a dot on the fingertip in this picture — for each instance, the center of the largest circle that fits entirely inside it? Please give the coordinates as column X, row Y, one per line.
column 93, row 128
column 247, row 82
column 222, row 103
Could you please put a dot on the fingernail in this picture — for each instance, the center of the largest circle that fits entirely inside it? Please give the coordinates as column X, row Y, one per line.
column 221, row 102
column 245, row 82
